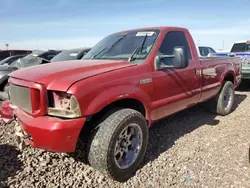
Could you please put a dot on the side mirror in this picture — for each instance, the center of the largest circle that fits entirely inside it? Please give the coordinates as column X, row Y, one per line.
column 180, row 59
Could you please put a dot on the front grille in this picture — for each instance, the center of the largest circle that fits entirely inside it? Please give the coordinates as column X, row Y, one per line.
column 20, row 97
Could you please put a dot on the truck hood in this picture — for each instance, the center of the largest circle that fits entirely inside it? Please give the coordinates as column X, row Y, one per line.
column 61, row 75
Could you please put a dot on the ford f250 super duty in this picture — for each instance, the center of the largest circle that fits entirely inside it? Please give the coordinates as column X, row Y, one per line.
column 121, row 86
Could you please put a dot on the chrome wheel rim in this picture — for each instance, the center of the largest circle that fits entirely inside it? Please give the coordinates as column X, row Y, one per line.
column 128, row 146
column 227, row 98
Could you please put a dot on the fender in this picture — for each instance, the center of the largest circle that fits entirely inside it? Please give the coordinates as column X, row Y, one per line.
column 225, row 74
column 117, row 93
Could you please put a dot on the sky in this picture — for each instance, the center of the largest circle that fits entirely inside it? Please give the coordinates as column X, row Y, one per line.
column 64, row 24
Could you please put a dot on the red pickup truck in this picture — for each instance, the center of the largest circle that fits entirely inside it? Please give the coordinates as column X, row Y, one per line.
column 123, row 84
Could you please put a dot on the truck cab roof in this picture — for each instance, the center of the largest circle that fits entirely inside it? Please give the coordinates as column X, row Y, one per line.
column 242, row 41
column 162, row 28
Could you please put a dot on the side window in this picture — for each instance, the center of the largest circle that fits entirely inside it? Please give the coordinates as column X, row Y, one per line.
column 171, row 40
column 203, row 51
column 238, row 47
column 211, row 50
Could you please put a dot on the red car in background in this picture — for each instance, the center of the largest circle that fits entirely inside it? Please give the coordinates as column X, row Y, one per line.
column 7, row 53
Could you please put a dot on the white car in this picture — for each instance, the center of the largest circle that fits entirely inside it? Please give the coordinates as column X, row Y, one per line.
column 205, row 51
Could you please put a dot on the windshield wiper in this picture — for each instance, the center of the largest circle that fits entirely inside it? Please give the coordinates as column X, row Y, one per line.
column 115, row 44
column 98, row 53
column 108, row 49
column 140, row 46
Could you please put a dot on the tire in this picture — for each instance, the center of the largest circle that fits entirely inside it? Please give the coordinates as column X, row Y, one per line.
column 4, row 95
column 102, row 148
column 219, row 104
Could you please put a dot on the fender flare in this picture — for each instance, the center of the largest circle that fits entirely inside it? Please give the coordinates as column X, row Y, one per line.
column 225, row 74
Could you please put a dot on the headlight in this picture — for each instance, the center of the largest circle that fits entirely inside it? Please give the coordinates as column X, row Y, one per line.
column 62, row 104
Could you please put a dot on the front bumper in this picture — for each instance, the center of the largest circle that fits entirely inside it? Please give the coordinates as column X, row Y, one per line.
column 50, row 133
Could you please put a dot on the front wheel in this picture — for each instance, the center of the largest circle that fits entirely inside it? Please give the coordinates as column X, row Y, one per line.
column 119, row 145
column 6, row 88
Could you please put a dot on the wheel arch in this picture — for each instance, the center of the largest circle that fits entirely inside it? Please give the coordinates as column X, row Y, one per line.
column 229, row 76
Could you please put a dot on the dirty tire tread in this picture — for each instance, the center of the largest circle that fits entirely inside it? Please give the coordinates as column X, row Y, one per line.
column 101, row 144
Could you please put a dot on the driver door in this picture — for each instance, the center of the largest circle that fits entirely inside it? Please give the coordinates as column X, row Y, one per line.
column 175, row 89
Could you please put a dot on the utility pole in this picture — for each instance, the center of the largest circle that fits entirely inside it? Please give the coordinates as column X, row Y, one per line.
column 223, row 44
column 198, row 42
column 7, row 45
column 37, row 45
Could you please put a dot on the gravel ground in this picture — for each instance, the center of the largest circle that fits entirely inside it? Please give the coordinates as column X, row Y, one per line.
column 192, row 148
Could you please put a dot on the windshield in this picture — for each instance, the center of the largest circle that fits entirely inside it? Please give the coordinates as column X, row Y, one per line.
column 66, row 55
column 241, row 47
column 5, row 60
column 31, row 57
column 122, row 45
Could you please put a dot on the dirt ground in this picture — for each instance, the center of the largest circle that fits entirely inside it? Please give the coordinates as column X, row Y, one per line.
column 193, row 148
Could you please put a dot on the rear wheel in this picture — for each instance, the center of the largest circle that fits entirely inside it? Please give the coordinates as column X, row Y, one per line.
column 119, row 145
column 222, row 104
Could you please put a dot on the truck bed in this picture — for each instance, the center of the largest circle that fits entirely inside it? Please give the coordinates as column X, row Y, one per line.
column 213, row 69
column 215, row 58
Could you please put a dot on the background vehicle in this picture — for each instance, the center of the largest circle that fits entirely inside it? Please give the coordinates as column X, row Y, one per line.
column 7, row 53
column 127, row 81
column 205, row 51
column 35, row 58
column 72, row 54
column 11, row 59
column 240, row 49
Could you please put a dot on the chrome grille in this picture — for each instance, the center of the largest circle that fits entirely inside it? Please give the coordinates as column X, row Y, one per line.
column 20, row 97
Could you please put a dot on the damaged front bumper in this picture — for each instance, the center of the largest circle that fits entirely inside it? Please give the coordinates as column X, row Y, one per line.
column 48, row 133
column 21, row 135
